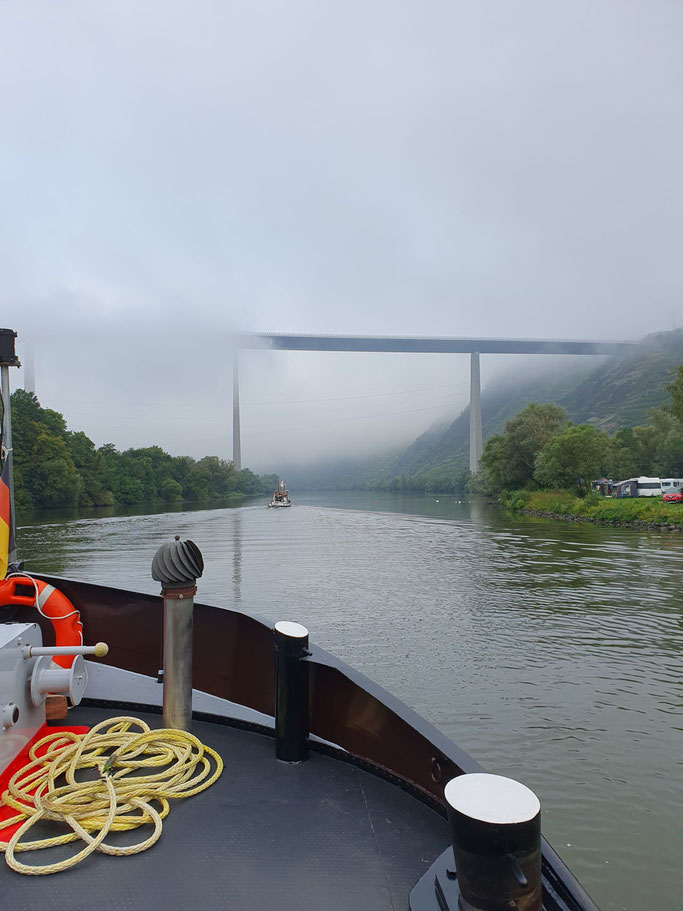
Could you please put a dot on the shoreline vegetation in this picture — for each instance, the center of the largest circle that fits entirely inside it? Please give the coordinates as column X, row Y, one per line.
column 57, row 468
column 543, row 465
column 639, row 512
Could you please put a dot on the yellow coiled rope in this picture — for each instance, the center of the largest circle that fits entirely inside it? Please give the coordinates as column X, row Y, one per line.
column 118, row 800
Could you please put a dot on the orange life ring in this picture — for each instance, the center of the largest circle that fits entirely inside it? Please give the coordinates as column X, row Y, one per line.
column 51, row 603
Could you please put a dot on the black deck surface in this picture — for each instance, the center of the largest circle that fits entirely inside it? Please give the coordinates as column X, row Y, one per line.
column 318, row 835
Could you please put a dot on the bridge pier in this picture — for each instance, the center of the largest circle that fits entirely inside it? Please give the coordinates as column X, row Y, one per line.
column 236, row 437
column 476, row 439
column 416, row 344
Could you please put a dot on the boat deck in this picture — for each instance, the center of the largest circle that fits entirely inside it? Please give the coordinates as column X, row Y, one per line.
column 323, row 834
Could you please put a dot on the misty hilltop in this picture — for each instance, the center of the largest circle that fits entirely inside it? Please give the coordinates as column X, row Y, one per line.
column 619, row 392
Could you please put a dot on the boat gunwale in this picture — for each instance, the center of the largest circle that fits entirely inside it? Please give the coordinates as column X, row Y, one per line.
column 394, row 741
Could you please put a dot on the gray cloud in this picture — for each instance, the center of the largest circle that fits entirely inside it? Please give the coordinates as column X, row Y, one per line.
column 172, row 172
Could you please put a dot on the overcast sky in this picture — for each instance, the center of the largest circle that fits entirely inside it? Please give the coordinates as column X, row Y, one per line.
column 174, row 172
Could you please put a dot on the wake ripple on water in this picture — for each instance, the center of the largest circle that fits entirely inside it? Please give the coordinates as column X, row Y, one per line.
column 550, row 652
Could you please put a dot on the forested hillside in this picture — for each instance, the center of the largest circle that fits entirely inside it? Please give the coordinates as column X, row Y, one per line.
column 54, row 467
column 619, row 393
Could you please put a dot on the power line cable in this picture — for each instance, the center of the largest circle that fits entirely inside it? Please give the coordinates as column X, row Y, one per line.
column 348, row 398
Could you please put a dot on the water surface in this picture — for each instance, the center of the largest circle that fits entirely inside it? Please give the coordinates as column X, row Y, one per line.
column 549, row 651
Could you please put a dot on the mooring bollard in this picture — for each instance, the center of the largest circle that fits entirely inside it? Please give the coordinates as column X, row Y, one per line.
column 495, row 826
column 177, row 566
column 291, row 692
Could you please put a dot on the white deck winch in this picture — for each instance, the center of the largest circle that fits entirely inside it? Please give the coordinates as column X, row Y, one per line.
column 27, row 676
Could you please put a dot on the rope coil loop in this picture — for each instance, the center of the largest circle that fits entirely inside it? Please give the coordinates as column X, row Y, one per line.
column 121, row 749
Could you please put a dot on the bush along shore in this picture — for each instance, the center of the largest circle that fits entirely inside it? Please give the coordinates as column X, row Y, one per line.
column 641, row 512
column 543, row 465
column 55, row 467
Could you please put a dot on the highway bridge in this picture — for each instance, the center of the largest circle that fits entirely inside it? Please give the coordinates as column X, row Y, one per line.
column 417, row 345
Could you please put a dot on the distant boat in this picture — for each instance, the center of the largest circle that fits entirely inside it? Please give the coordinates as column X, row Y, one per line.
column 280, row 496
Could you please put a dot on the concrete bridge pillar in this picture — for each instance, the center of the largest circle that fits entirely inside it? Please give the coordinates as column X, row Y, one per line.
column 476, row 439
column 236, row 438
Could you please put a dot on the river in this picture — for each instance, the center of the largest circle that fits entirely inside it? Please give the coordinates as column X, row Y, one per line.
column 549, row 651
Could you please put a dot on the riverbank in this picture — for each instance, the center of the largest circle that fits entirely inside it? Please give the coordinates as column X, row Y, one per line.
column 561, row 504
column 147, row 508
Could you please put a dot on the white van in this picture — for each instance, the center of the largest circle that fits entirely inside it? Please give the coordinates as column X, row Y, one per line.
column 669, row 484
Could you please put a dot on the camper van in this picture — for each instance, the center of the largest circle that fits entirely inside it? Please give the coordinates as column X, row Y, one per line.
column 640, row 487
column 669, row 484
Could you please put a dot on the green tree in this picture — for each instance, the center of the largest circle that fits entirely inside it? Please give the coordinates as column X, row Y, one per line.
column 492, row 475
column 142, row 467
column 25, row 408
column 221, row 476
column 193, row 479
column 128, row 491
column 171, row 491
column 25, row 430
column 85, row 458
column 44, row 472
column 54, row 480
column 657, row 448
column 667, row 443
column 196, row 485
column 573, row 458
column 509, row 459
column 162, row 462
column 54, row 422
column 247, row 482
column 54, row 466
column 676, row 390
column 623, row 458
column 110, row 468
column 82, row 450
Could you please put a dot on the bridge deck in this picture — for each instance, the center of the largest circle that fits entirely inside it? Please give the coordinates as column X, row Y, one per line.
column 427, row 345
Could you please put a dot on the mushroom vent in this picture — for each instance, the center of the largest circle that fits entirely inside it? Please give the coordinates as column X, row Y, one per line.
column 178, row 564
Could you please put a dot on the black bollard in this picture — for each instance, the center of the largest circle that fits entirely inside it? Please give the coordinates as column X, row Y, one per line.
column 495, row 825
column 291, row 692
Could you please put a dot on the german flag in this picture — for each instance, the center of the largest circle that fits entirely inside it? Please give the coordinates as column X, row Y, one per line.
column 6, row 537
